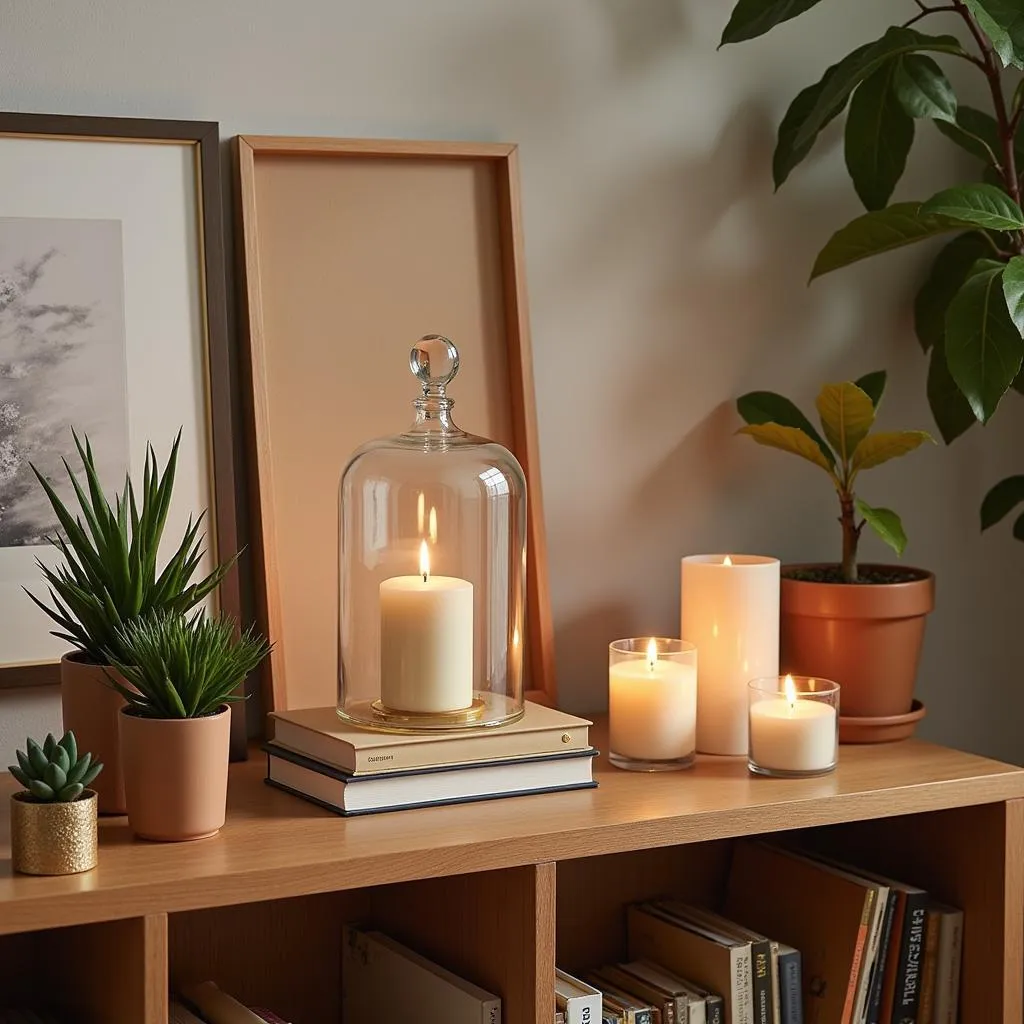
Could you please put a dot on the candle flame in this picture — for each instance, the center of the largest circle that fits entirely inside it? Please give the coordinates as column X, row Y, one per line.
column 420, row 508
column 727, row 560
column 652, row 654
column 424, row 560
column 789, row 687
column 433, row 525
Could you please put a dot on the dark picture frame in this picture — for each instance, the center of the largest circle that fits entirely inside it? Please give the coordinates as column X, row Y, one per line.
column 220, row 372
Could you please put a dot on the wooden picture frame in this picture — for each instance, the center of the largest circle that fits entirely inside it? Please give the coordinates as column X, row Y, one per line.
column 350, row 250
column 200, row 141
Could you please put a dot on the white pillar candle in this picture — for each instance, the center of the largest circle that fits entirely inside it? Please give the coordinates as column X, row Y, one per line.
column 426, row 642
column 652, row 706
column 730, row 612
column 791, row 733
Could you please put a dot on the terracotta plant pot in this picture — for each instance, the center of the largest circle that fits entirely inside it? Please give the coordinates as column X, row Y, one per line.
column 53, row 838
column 176, row 774
column 90, row 707
column 866, row 636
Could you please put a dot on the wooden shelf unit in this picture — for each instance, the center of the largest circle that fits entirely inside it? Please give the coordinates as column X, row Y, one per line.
column 498, row 891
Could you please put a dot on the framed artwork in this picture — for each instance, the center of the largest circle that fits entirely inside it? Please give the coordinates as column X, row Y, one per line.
column 352, row 250
column 113, row 321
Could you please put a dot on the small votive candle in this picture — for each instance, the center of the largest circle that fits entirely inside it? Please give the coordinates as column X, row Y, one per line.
column 794, row 726
column 652, row 704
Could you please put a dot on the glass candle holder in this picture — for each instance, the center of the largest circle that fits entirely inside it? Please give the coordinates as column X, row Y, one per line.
column 652, row 704
column 794, row 726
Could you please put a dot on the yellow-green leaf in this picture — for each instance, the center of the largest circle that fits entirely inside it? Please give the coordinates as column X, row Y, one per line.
column 878, row 448
column 787, row 439
column 846, row 414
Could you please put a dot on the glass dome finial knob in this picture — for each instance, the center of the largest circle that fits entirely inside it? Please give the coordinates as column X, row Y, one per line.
column 434, row 361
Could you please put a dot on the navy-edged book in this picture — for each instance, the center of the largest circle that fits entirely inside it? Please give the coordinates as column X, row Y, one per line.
column 348, row 794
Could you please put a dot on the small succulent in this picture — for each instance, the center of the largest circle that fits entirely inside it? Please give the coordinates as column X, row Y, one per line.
column 53, row 772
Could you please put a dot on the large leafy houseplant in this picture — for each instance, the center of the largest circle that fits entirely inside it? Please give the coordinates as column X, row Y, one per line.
column 110, row 574
column 969, row 313
column 847, row 414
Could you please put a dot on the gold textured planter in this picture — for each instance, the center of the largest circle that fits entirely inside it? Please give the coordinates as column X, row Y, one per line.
column 53, row 838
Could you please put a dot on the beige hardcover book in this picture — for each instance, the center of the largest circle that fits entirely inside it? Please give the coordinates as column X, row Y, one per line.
column 177, row 1014
column 320, row 734
column 686, row 951
column 382, row 980
column 218, row 1007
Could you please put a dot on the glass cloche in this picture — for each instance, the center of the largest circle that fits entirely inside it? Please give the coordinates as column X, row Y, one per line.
column 432, row 541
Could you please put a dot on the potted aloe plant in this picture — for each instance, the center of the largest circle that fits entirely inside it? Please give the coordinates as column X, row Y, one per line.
column 182, row 673
column 111, row 576
column 861, row 626
column 53, row 819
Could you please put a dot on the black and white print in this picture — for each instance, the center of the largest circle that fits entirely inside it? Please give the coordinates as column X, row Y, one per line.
column 62, row 362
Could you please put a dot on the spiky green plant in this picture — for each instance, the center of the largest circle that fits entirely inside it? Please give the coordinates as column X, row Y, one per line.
column 109, row 577
column 184, row 667
column 53, row 772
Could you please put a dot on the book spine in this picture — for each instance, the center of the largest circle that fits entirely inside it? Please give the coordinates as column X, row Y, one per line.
column 715, row 1006
column 858, row 958
column 907, row 998
column 947, row 1002
column 929, row 965
column 490, row 1012
column 791, row 997
column 878, row 970
column 892, row 964
column 742, row 986
column 583, row 1009
column 761, row 978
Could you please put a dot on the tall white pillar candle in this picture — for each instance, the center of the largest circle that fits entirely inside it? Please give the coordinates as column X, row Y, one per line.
column 730, row 611
column 426, row 642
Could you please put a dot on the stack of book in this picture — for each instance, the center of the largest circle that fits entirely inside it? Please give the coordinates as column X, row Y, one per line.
column 826, row 943
column 315, row 755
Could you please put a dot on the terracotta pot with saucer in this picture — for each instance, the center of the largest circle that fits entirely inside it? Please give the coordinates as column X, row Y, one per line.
column 865, row 636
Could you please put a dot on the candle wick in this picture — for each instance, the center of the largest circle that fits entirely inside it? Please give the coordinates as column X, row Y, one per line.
column 424, row 577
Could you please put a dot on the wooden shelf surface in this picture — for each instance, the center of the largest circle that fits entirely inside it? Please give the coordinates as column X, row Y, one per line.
column 275, row 845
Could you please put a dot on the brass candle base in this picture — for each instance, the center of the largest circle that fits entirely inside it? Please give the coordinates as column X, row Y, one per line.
column 53, row 838
column 429, row 719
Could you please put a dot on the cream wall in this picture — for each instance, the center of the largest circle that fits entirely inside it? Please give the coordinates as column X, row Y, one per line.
column 665, row 278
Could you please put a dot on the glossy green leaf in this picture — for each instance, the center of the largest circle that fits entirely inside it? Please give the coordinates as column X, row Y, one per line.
column 1003, row 22
column 851, row 71
column 787, row 154
column 978, row 133
column 952, row 412
column 847, row 414
column 885, row 445
column 787, row 439
column 984, row 349
column 886, row 524
column 879, row 134
column 948, row 273
column 1001, row 500
column 873, row 385
column 879, row 231
column 768, row 407
column 1013, row 291
column 983, row 205
column 752, row 18
column 923, row 90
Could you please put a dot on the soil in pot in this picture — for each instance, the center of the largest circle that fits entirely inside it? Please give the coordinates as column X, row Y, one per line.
column 90, row 707
column 176, row 774
column 866, row 636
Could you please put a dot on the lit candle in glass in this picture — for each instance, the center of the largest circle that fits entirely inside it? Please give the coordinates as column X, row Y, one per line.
column 426, row 641
column 794, row 725
column 652, row 704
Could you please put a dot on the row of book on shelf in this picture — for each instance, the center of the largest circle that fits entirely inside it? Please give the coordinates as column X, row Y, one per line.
column 802, row 938
column 350, row 771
